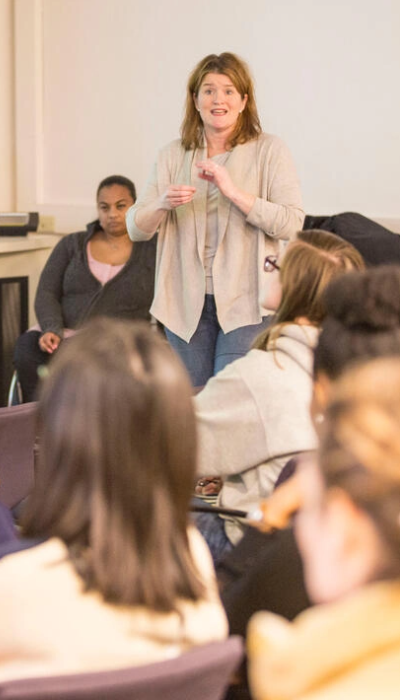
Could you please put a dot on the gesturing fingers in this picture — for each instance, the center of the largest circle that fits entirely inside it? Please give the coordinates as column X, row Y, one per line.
column 176, row 195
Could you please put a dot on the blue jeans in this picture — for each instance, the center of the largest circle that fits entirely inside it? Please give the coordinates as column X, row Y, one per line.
column 212, row 527
column 210, row 349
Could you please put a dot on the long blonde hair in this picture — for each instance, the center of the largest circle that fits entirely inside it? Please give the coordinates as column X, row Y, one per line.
column 248, row 124
column 313, row 260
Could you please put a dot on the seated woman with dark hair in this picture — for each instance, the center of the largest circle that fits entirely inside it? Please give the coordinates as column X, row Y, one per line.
column 97, row 272
column 118, row 577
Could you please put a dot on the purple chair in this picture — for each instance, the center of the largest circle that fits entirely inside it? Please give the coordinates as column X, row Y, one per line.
column 203, row 673
column 8, row 532
column 17, row 444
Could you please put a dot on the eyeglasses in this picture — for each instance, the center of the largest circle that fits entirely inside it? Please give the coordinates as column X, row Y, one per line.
column 270, row 263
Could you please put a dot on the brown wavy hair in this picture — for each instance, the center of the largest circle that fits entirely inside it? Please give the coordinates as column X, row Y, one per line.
column 360, row 447
column 116, row 466
column 311, row 261
column 248, row 124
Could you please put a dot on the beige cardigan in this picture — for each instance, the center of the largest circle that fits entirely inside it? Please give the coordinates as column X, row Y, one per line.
column 50, row 625
column 262, row 167
column 349, row 650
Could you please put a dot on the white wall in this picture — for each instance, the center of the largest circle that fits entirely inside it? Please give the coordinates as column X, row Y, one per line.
column 107, row 81
column 7, row 173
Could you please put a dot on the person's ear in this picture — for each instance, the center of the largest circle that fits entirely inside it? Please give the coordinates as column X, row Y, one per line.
column 320, row 396
column 195, row 101
column 354, row 540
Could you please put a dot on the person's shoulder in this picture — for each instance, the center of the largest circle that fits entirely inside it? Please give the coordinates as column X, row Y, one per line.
column 171, row 148
column 243, row 371
column 270, row 142
column 252, row 361
column 31, row 552
column 298, row 333
column 263, row 146
column 71, row 240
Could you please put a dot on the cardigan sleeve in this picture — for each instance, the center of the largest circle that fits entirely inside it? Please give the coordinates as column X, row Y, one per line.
column 50, row 289
column 280, row 212
column 231, row 434
column 149, row 195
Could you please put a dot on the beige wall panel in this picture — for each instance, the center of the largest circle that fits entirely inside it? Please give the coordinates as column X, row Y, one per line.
column 7, row 173
column 100, row 87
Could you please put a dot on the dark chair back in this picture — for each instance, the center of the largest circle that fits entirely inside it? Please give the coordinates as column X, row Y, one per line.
column 17, row 444
column 202, row 673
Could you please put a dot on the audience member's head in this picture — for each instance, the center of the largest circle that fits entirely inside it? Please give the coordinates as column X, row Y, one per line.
column 115, row 194
column 349, row 526
column 296, row 288
column 120, row 181
column 362, row 322
column 117, row 464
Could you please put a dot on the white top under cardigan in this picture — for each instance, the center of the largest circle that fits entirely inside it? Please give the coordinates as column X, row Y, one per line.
column 262, row 167
column 253, row 416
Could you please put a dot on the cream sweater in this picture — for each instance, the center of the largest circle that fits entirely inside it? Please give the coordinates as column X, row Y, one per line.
column 50, row 626
column 262, row 167
column 253, row 416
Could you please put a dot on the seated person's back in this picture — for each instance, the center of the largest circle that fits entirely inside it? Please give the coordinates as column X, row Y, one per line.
column 119, row 577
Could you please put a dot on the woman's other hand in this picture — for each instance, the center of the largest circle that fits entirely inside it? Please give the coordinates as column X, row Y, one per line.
column 277, row 510
column 176, row 195
column 49, row 342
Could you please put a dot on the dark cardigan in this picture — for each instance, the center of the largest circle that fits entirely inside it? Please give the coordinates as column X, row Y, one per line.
column 68, row 294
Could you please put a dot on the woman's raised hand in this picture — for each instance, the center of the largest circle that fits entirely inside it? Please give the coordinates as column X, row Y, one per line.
column 218, row 175
column 176, row 195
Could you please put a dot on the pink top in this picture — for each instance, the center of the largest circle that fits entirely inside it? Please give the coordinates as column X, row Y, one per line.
column 102, row 271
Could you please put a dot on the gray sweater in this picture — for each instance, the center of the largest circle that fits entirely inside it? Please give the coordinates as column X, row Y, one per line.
column 254, row 416
column 68, row 294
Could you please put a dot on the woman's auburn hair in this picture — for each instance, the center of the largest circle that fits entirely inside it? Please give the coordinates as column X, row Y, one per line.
column 359, row 448
column 248, row 124
column 116, row 464
column 310, row 263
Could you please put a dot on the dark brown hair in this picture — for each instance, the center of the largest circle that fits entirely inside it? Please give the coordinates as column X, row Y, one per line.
column 117, row 464
column 363, row 310
column 310, row 263
column 117, row 180
column 248, row 124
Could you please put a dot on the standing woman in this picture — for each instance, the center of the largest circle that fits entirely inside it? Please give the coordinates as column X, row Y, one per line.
column 222, row 197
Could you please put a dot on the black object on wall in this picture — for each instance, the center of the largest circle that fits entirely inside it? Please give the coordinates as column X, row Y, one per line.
column 14, row 297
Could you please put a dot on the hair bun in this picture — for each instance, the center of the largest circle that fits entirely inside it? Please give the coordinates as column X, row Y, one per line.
column 366, row 301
